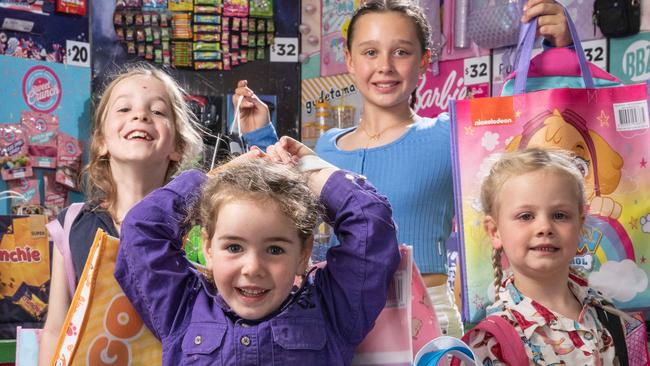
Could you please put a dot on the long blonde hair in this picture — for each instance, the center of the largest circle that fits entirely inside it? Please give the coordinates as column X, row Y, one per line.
column 99, row 185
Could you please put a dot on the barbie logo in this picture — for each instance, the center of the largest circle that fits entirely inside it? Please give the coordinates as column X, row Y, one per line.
column 41, row 89
column 435, row 98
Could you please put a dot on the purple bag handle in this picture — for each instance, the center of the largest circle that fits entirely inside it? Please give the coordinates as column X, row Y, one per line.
column 525, row 47
column 61, row 237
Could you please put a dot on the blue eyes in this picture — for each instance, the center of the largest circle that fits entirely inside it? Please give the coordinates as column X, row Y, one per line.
column 526, row 217
column 557, row 216
column 400, row 52
column 560, row 216
column 275, row 250
column 234, row 248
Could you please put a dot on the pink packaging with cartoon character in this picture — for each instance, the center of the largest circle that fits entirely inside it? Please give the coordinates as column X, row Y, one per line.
column 28, row 188
column 68, row 166
column 13, row 152
column 56, row 195
column 41, row 130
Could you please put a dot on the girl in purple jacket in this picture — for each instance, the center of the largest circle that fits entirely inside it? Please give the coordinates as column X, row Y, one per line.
column 258, row 216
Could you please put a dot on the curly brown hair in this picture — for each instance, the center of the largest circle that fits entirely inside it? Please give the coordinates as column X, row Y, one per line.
column 261, row 182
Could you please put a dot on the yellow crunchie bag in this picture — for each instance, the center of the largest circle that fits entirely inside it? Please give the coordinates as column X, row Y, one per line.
column 102, row 327
column 24, row 273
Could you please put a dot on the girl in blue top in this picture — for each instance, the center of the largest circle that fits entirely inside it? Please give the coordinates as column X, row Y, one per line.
column 406, row 156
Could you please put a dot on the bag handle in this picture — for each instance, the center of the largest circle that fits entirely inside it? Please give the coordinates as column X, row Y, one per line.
column 525, row 47
column 436, row 352
column 61, row 237
column 512, row 347
column 613, row 324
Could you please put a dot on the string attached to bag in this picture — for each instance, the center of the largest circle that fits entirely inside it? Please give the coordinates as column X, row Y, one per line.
column 233, row 143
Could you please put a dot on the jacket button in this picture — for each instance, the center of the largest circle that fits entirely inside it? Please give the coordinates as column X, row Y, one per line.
column 245, row 340
column 197, row 340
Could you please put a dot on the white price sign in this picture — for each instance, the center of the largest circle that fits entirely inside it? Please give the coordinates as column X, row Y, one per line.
column 77, row 53
column 596, row 52
column 284, row 49
column 476, row 70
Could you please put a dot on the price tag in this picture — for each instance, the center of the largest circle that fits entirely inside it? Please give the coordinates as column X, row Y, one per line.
column 596, row 52
column 77, row 53
column 476, row 70
column 284, row 49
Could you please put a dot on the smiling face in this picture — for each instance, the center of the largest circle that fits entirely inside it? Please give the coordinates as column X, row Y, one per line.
column 254, row 255
column 386, row 58
column 537, row 223
column 139, row 123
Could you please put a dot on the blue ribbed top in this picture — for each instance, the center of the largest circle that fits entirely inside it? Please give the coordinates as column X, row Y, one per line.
column 414, row 172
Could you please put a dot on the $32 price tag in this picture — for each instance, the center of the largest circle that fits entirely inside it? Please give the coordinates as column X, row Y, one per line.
column 284, row 49
column 476, row 70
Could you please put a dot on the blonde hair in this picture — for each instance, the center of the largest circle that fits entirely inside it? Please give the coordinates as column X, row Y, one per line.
column 516, row 163
column 260, row 182
column 99, row 185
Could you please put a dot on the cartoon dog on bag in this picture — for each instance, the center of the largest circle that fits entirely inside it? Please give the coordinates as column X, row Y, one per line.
column 598, row 162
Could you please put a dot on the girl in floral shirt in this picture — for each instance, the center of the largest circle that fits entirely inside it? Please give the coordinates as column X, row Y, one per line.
column 534, row 202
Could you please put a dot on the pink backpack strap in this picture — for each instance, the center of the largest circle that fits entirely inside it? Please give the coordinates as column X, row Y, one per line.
column 61, row 238
column 512, row 347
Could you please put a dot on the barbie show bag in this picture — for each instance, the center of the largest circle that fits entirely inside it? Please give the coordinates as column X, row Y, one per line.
column 608, row 129
column 406, row 324
column 102, row 327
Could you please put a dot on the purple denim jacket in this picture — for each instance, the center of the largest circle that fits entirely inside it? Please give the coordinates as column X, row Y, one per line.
column 320, row 324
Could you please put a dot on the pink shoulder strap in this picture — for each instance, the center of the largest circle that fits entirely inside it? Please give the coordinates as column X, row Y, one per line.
column 61, row 238
column 512, row 347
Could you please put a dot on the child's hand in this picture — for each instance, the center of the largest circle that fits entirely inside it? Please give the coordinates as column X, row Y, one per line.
column 605, row 206
column 288, row 151
column 253, row 153
column 551, row 21
column 253, row 112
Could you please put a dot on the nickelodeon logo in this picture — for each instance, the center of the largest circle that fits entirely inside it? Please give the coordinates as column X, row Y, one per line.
column 20, row 255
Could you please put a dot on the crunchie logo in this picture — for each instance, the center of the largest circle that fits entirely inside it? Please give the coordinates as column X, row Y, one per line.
column 41, row 89
column 20, row 255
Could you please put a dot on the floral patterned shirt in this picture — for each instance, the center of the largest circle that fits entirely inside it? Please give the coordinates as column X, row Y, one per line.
column 549, row 338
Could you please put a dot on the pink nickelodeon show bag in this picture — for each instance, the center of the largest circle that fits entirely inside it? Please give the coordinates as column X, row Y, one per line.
column 608, row 128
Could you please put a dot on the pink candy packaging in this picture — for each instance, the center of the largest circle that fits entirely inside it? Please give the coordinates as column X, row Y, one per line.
column 41, row 130
column 68, row 166
column 13, row 152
